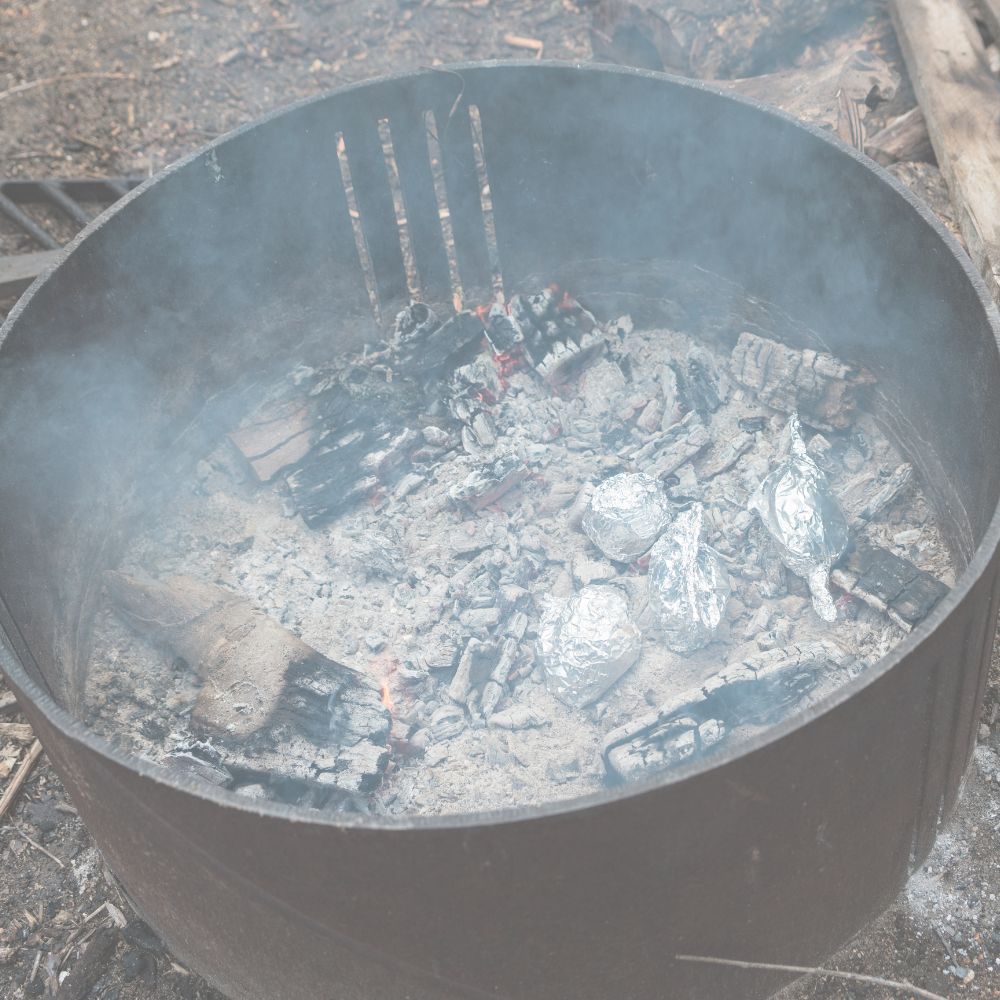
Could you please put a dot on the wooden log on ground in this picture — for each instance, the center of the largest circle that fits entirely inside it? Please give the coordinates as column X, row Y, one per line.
column 709, row 39
column 904, row 138
column 959, row 97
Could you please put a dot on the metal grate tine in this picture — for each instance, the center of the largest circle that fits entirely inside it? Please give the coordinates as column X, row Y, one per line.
column 376, row 211
column 416, row 182
column 458, row 161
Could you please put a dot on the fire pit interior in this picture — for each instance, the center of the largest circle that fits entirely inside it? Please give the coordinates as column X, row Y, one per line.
column 517, row 553
column 496, row 494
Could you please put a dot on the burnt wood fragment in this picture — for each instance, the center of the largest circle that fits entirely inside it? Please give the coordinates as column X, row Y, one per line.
column 889, row 583
column 273, row 705
column 756, row 690
column 90, row 966
column 867, row 495
column 274, row 438
column 824, row 391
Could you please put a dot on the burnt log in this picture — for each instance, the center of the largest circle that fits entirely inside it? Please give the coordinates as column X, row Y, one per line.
column 890, row 584
column 823, row 390
column 277, row 706
column 710, row 39
column 671, row 449
column 756, row 690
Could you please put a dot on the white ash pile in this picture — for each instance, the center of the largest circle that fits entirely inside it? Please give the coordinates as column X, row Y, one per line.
column 513, row 556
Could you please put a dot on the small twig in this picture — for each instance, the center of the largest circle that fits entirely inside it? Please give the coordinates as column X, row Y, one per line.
column 535, row 45
column 900, row 985
column 46, row 80
column 15, row 783
column 37, row 846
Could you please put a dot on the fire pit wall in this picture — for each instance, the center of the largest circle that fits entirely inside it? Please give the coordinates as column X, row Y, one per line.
column 127, row 357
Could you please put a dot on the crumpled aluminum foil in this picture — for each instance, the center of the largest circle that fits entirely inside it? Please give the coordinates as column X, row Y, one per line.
column 586, row 643
column 802, row 515
column 688, row 584
column 626, row 514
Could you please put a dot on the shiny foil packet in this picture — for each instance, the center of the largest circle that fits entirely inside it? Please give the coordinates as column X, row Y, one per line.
column 586, row 643
column 688, row 584
column 626, row 514
column 802, row 515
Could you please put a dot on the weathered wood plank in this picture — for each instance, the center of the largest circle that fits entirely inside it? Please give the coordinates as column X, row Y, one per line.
column 960, row 99
column 20, row 270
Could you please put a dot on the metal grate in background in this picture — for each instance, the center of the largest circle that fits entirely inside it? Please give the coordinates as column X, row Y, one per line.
column 46, row 214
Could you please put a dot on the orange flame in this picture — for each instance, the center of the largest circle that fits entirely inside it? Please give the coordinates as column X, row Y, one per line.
column 387, row 697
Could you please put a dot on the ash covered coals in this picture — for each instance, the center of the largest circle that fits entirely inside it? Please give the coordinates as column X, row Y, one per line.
column 532, row 530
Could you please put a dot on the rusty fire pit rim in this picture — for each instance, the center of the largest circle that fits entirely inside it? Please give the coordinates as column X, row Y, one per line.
column 983, row 554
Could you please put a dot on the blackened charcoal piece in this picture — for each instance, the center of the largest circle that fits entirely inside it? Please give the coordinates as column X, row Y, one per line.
column 454, row 342
column 559, row 334
column 503, row 331
column 699, row 384
column 566, row 359
column 363, row 397
column 415, row 322
column 757, row 690
column 188, row 765
column 671, row 449
column 890, row 584
column 665, row 746
column 752, row 425
column 274, row 705
column 332, row 479
column 489, row 482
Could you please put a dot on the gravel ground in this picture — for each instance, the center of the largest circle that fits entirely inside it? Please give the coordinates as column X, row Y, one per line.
column 126, row 86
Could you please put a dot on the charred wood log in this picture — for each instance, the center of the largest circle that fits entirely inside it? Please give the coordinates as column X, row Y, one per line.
column 277, row 706
column 824, row 391
column 890, row 584
column 756, row 690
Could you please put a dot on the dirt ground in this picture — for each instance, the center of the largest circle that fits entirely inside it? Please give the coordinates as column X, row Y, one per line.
column 125, row 86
